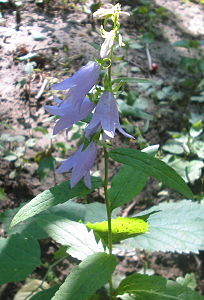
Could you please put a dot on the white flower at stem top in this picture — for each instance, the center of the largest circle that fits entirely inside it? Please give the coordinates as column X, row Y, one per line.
column 79, row 84
column 80, row 163
column 109, row 10
column 106, row 117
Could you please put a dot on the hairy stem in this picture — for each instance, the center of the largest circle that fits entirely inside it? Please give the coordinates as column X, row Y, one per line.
column 108, row 210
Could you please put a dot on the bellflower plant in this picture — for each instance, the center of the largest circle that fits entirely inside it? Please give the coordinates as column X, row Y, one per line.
column 79, row 84
column 80, row 162
column 89, row 234
column 69, row 114
column 106, row 117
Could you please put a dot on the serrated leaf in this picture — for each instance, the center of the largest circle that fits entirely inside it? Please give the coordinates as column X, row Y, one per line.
column 56, row 195
column 93, row 212
column 126, row 184
column 122, row 228
column 155, row 287
column 81, row 242
column 19, row 256
column 152, row 166
column 177, row 227
column 87, row 277
column 30, row 227
column 46, row 294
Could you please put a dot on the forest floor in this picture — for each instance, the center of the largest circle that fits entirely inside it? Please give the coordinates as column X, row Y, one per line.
column 58, row 38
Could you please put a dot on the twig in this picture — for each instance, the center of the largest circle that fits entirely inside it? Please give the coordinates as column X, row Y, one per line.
column 41, row 91
column 128, row 209
column 149, row 58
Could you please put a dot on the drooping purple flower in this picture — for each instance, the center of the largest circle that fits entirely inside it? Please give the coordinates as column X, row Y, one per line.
column 81, row 163
column 79, row 84
column 106, row 117
column 69, row 114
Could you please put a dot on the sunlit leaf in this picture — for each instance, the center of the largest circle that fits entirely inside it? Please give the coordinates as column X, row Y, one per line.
column 81, row 242
column 176, row 227
column 56, row 195
column 122, row 228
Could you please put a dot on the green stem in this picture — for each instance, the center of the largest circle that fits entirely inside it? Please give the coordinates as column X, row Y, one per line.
column 108, row 210
column 107, row 201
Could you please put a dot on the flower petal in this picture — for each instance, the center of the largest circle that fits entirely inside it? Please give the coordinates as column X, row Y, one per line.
column 84, row 78
column 80, row 162
column 70, row 162
column 72, row 116
column 124, row 132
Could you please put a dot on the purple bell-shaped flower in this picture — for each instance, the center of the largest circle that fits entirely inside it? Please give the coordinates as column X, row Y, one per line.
column 81, row 163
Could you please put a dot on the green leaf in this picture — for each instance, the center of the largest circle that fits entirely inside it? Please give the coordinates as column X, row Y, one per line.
column 152, row 166
column 2, row 194
column 56, row 195
column 132, row 79
column 196, row 129
column 172, row 228
column 154, row 287
column 187, row 43
column 189, row 280
column 46, row 294
column 198, row 148
column 41, row 129
column 10, row 138
column 188, row 170
column 81, row 242
column 126, row 184
column 30, row 227
column 87, row 277
column 173, row 146
column 19, row 256
column 128, row 110
column 46, row 165
column 122, row 228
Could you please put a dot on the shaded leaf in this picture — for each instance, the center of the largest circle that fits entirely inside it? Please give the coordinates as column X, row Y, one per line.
column 87, row 277
column 46, row 294
column 132, row 79
column 19, row 256
column 152, row 166
column 154, row 287
column 126, row 184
